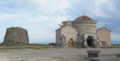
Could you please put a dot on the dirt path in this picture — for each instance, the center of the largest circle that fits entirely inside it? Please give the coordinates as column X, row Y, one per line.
column 105, row 55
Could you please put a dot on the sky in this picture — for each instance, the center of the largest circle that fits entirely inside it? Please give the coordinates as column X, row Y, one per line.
column 42, row 17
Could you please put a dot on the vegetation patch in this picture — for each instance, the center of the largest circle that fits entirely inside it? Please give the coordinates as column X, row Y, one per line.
column 30, row 46
column 115, row 46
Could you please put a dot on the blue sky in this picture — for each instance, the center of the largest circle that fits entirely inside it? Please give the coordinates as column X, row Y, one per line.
column 42, row 17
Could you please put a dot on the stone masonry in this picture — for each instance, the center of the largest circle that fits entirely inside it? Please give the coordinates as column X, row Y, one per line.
column 16, row 36
column 82, row 33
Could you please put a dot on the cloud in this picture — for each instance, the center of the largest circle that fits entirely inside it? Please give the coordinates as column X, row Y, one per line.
column 101, row 7
column 40, row 34
column 46, row 19
column 51, row 7
column 8, row 16
column 42, row 11
column 115, row 37
column 36, row 10
column 41, row 17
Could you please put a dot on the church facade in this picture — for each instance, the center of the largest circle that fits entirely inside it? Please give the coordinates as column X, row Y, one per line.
column 82, row 33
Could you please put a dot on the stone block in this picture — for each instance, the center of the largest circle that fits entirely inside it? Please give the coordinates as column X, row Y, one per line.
column 118, row 55
column 94, row 53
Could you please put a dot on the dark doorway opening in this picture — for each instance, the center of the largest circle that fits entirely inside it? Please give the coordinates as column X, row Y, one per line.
column 90, row 41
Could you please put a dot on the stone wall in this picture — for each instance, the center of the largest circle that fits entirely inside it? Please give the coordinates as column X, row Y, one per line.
column 85, row 26
column 79, row 30
column 64, row 34
column 58, row 37
column 69, row 32
column 104, row 35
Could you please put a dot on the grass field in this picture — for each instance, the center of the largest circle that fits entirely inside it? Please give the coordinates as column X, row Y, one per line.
column 115, row 46
column 40, row 46
column 30, row 46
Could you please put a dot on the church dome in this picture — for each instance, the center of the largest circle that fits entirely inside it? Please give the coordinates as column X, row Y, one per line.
column 83, row 18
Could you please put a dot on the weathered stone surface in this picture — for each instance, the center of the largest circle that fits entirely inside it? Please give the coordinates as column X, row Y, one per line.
column 16, row 36
column 82, row 33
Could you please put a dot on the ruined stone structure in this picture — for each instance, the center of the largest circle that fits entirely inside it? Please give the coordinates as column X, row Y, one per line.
column 82, row 33
column 16, row 36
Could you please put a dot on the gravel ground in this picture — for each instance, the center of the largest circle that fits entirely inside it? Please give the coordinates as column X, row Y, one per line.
column 61, row 53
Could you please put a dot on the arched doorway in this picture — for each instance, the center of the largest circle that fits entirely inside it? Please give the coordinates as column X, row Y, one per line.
column 90, row 41
column 70, row 43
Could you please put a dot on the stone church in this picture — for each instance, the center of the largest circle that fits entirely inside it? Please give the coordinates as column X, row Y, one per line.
column 82, row 33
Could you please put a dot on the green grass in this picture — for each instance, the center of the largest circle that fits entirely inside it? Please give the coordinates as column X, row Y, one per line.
column 30, row 46
column 115, row 46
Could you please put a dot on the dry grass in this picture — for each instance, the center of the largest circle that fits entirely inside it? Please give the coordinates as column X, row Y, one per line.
column 115, row 46
column 31, row 46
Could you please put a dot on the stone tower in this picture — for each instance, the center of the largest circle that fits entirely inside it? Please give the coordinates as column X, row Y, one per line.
column 81, row 32
column 16, row 36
